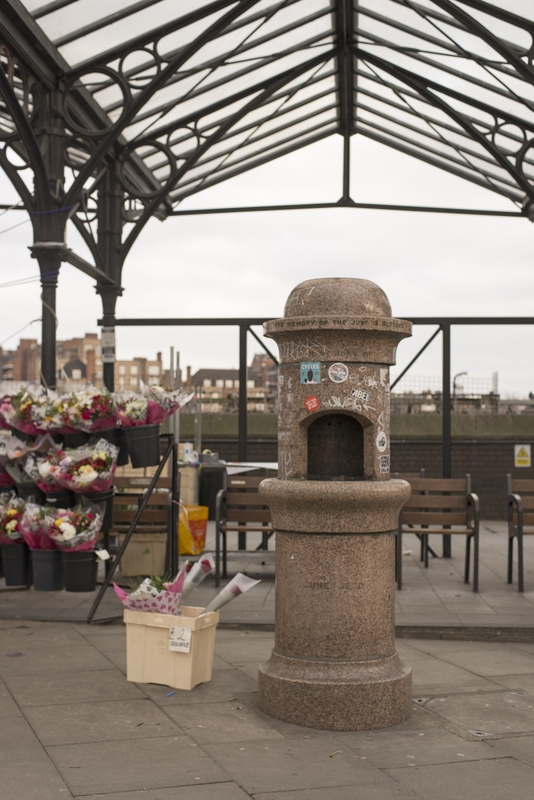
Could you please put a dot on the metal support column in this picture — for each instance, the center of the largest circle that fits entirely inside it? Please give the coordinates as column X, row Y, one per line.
column 242, row 424
column 110, row 224
column 48, row 328
column 446, row 431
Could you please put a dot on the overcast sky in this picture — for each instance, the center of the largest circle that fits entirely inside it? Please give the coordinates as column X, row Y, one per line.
column 246, row 264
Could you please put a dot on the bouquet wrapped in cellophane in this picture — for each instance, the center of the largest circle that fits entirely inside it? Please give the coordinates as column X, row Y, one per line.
column 34, row 527
column 13, row 454
column 18, row 410
column 74, row 528
column 132, row 409
column 155, row 595
column 53, row 414
column 162, row 403
column 158, row 596
column 91, row 410
column 41, row 468
column 88, row 469
column 11, row 510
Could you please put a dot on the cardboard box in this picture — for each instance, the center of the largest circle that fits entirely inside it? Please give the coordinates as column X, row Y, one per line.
column 149, row 659
column 145, row 554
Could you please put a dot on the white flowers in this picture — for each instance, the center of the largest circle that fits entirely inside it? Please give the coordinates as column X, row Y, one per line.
column 67, row 530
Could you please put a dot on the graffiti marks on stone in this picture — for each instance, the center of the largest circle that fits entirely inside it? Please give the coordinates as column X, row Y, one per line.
column 310, row 349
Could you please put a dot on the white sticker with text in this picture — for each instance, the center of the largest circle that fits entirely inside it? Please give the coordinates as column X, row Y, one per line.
column 179, row 639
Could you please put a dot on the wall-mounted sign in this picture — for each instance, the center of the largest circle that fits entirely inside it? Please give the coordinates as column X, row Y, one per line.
column 310, row 372
column 522, row 455
column 108, row 345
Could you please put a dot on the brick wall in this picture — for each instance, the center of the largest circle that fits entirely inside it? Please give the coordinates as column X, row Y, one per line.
column 487, row 461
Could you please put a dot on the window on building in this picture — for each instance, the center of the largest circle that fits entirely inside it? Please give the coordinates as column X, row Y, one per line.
column 133, row 381
column 76, row 374
column 229, row 384
column 122, row 370
column 206, row 382
column 219, row 384
column 153, row 370
column 250, row 384
column 134, row 370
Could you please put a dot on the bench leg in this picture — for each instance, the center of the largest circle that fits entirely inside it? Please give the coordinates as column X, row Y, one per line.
column 475, row 564
column 426, row 548
column 467, row 558
column 510, row 558
column 521, row 586
column 217, row 557
column 398, row 559
column 224, row 572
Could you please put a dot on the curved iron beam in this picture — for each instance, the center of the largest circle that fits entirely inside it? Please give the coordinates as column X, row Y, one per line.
column 416, row 82
column 142, row 98
column 28, row 137
column 473, row 26
column 89, row 241
column 13, row 175
column 273, row 85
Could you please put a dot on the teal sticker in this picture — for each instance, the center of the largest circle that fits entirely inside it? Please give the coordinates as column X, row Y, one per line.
column 310, row 372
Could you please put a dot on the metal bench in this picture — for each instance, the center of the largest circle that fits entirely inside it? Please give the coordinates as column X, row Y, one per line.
column 520, row 521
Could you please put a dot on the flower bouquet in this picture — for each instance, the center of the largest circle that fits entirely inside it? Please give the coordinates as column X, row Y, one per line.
column 87, row 469
column 11, row 510
column 3, row 423
column 34, row 527
column 13, row 454
column 53, row 413
column 18, row 409
column 42, row 468
column 155, row 595
column 162, row 403
column 74, row 529
column 132, row 409
column 91, row 410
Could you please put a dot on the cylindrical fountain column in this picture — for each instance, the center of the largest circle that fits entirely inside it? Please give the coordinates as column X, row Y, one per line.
column 335, row 511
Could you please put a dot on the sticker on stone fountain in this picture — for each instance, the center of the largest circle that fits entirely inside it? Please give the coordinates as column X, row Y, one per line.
column 310, row 372
column 360, row 394
column 384, row 464
column 381, row 442
column 338, row 372
column 312, row 403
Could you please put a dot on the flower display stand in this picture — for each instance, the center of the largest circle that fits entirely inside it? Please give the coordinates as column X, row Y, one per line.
column 148, row 657
column 79, row 570
column 47, row 570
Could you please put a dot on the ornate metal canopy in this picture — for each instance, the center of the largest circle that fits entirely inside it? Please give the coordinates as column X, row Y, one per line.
column 113, row 111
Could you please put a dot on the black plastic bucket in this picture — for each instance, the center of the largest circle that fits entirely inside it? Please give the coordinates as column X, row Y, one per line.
column 143, row 445
column 79, row 571
column 17, row 564
column 77, row 439
column 116, row 437
column 47, row 570
column 62, row 499
column 31, row 492
column 105, row 501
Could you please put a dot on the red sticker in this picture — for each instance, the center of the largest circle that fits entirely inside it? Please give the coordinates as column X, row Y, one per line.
column 312, row 403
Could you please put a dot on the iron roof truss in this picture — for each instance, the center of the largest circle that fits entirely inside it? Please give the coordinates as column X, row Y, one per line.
column 112, row 112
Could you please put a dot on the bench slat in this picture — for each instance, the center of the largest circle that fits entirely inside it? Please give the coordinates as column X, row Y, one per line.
column 432, row 518
column 438, row 484
column 522, row 485
column 120, row 515
column 436, row 501
column 441, row 531
column 247, row 515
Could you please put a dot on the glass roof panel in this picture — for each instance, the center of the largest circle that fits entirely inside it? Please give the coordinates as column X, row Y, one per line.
column 450, row 82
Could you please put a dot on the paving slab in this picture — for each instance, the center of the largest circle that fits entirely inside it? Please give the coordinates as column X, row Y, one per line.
column 390, row 749
column 34, row 659
column 76, row 687
column 271, row 766
column 521, row 748
column 480, row 780
column 134, row 764
column 26, row 772
column 212, row 791
column 487, row 713
column 381, row 791
column 225, row 685
column 100, row 722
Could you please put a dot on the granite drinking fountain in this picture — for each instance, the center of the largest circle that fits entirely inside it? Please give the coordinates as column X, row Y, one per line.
column 335, row 511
